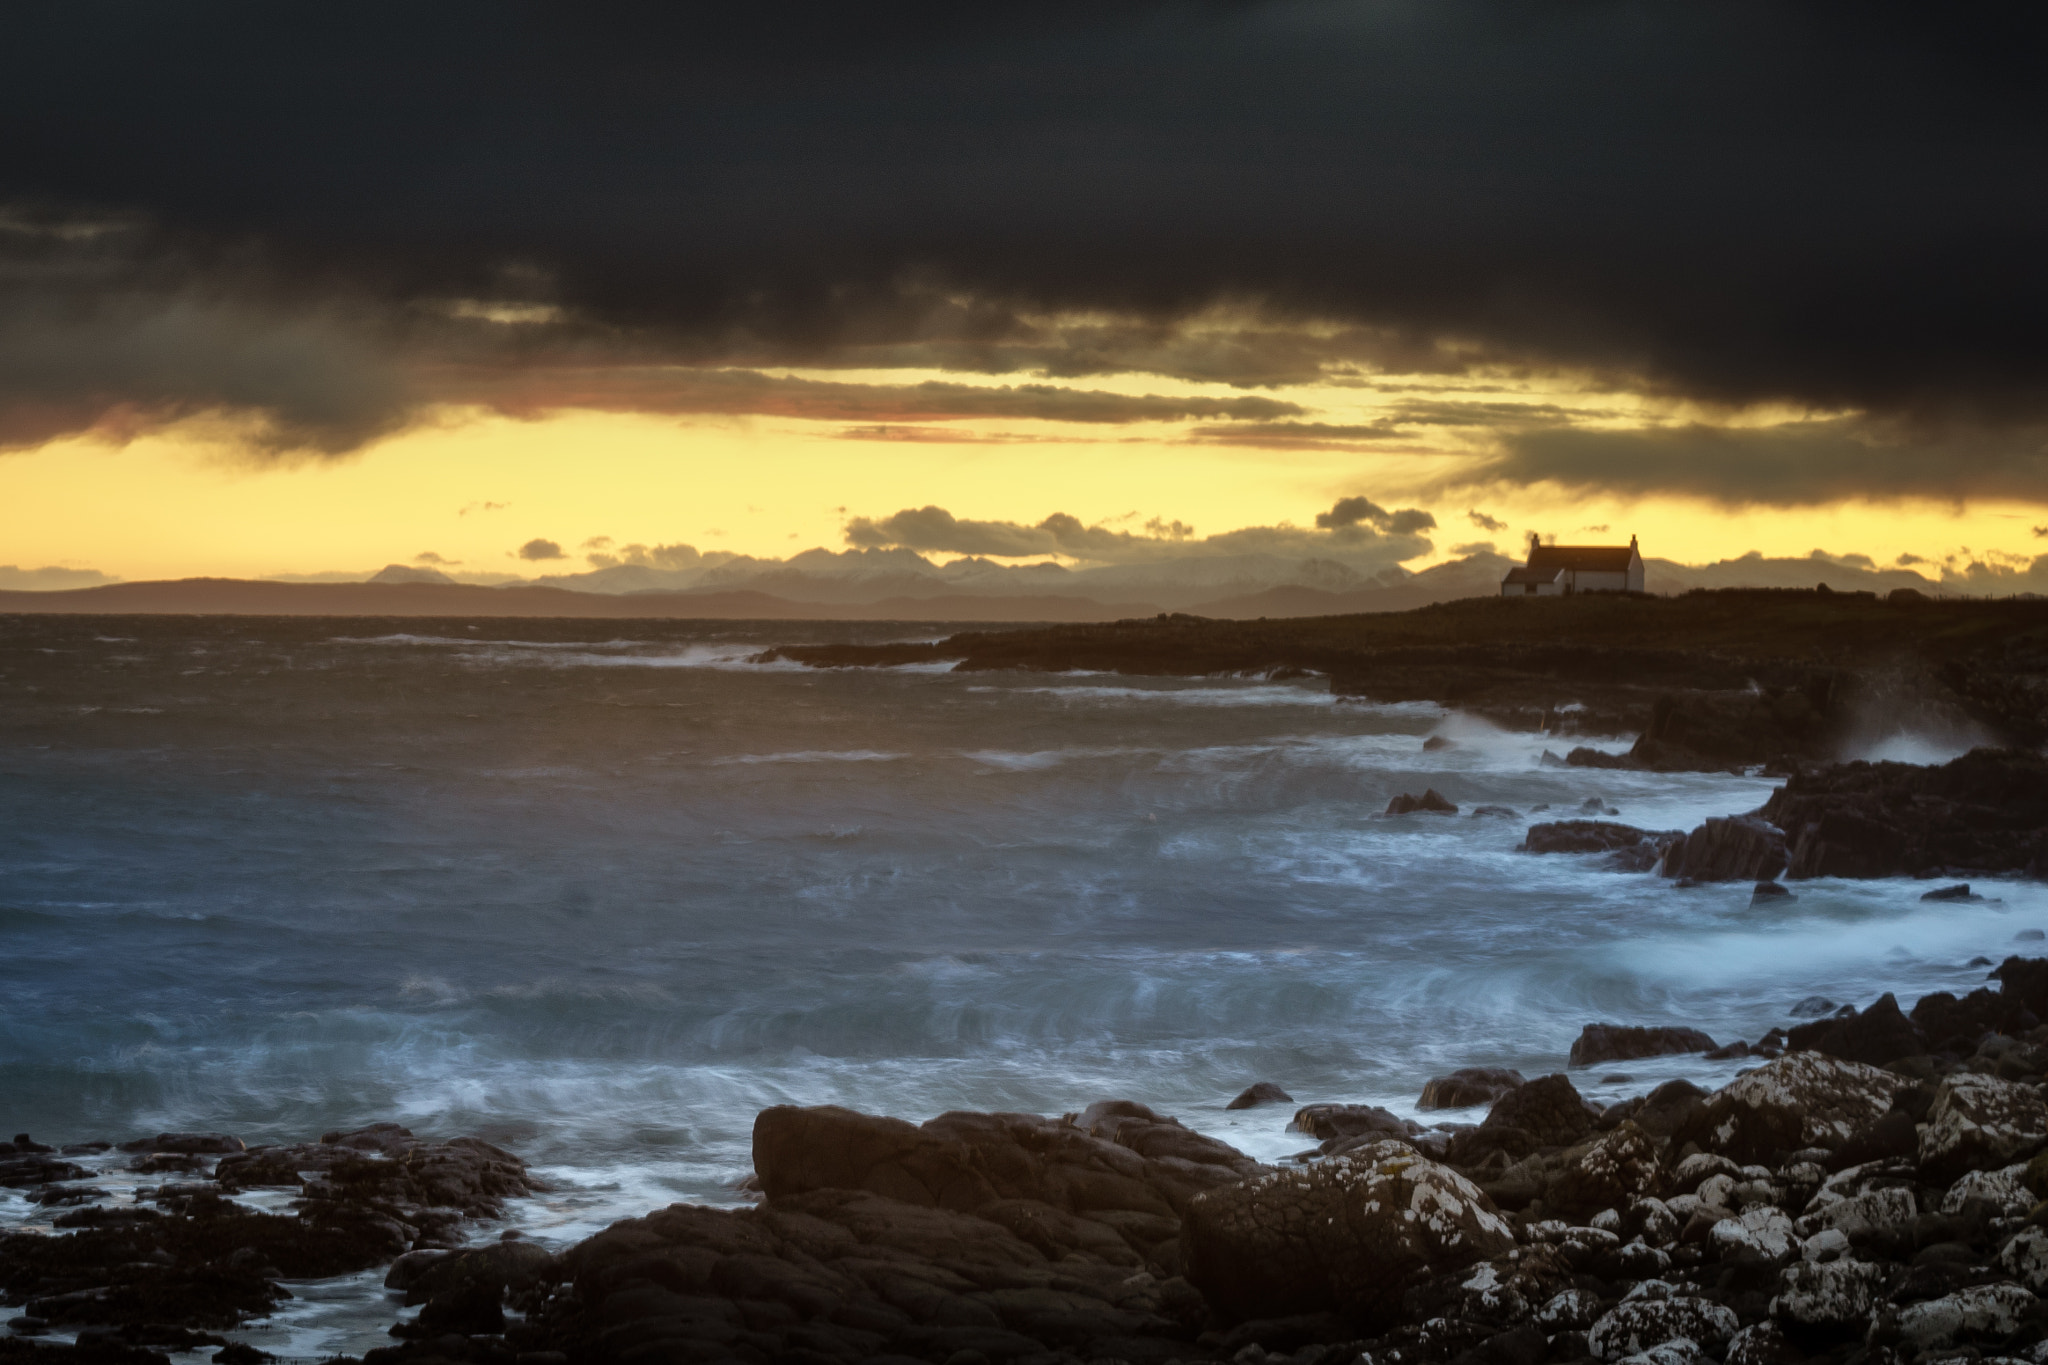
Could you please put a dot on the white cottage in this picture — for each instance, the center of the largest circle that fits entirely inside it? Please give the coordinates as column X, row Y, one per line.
column 1562, row 570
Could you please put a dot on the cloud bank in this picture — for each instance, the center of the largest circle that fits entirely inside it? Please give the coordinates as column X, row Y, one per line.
column 374, row 206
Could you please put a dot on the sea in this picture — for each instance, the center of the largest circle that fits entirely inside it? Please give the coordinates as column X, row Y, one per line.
column 599, row 892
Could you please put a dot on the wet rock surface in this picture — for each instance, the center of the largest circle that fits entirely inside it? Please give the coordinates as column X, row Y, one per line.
column 1985, row 812
column 1599, row 1043
column 186, row 1260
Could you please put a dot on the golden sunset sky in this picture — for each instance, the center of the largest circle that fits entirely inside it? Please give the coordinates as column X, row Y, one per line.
column 471, row 485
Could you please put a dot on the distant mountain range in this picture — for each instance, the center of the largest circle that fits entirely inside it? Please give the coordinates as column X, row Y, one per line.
column 902, row 585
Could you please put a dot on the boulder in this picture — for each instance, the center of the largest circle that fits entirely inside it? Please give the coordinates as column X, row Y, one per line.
column 1265, row 1092
column 1955, row 1024
column 1430, row 802
column 1760, row 1230
column 1827, row 1298
column 1987, row 1312
column 1800, row 1100
column 1348, row 1234
column 1735, row 848
column 2004, row 1191
column 1613, row 1171
column 1468, row 1086
column 1637, row 1324
column 1549, row 1108
column 1980, row 1123
column 1598, row 1043
column 2025, row 1258
column 1335, row 1121
column 1877, row 1035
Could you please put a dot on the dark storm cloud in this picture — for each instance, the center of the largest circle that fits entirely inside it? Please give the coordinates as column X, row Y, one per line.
column 1791, row 464
column 103, row 328
column 669, row 389
column 1839, row 206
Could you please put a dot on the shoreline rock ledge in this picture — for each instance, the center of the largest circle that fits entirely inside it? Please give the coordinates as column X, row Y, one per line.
column 1885, row 1209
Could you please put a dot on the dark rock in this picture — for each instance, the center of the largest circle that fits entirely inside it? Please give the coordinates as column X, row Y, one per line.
column 1801, row 1100
column 841, row 1275
column 386, row 1164
column 1265, row 1092
column 1339, row 1236
column 1959, row 892
column 1549, row 1109
column 1599, row 1043
column 1328, row 1121
column 1436, row 742
column 1628, row 849
column 1889, row 1138
column 1877, row 1035
column 1729, row 1052
column 1731, row 730
column 24, row 1145
column 1766, row 892
column 1613, row 1172
column 21, row 1172
column 1669, row 1108
column 1737, row 848
column 1117, row 1164
column 1812, row 1007
column 1583, row 757
column 1469, row 1086
column 1987, row 810
column 1495, row 813
column 1431, row 801
column 187, row 1144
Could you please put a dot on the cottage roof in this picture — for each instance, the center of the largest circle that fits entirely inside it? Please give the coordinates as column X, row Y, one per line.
column 1581, row 558
column 1522, row 574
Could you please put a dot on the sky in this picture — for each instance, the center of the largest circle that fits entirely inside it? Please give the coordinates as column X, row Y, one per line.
column 509, row 287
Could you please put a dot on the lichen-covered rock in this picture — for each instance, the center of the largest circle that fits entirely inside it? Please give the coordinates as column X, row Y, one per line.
column 1502, row 1292
column 1636, row 1325
column 1835, row 1294
column 1677, row 1351
column 1572, row 1310
column 2005, row 1189
column 1800, row 1100
column 1882, row 1215
column 1761, row 1229
column 1761, row 1343
column 2025, row 1258
column 1981, row 1312
column 1613, row 1171
column 1347, row 1234
column 1980, row 1122
column 1654, row 1221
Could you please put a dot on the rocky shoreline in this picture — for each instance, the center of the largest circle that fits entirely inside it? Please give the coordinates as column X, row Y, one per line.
column 1710, row 681
column 1984, row 814
column 1872, row 1191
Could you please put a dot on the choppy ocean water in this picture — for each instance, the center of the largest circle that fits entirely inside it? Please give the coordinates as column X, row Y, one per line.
column 600, row 891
